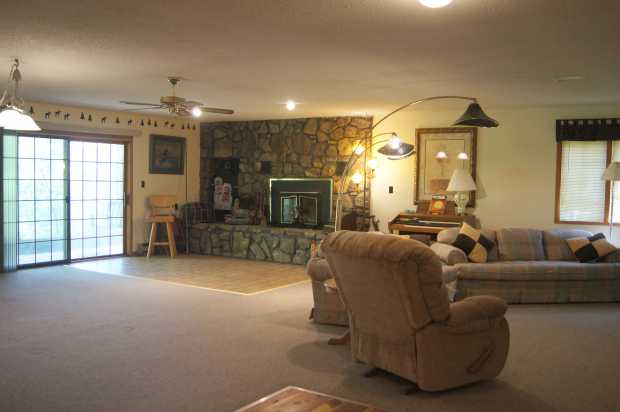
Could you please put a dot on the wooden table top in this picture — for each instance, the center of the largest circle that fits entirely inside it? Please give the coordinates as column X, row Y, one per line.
column 293, row 399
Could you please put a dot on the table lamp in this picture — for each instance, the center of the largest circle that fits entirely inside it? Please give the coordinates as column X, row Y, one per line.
column 462, row 183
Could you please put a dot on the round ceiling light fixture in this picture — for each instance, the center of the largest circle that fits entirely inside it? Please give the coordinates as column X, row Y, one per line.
column 435, row 4
column 291, row 105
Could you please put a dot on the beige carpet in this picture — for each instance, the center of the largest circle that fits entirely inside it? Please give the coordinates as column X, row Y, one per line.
column 73, row 340
column 225, row 274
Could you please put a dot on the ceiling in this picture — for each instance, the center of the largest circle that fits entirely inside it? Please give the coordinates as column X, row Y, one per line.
column 335, row 57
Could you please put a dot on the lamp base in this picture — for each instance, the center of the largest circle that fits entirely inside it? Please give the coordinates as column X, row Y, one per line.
column 461, row 201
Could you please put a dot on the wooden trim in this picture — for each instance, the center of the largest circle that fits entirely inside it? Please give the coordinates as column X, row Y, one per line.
column 128, row 227
column 558, row 181
column 437, row 130
column 87, row 137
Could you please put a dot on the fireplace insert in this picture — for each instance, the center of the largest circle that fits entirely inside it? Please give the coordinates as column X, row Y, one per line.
column 300, row 202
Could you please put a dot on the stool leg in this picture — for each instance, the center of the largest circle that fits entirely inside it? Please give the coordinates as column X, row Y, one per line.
column 152, row 238
column 172, row 245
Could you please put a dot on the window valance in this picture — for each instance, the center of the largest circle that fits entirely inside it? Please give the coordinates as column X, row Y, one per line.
column 587, row 129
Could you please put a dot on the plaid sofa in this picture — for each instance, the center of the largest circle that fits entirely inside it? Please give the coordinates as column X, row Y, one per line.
column 530, row 266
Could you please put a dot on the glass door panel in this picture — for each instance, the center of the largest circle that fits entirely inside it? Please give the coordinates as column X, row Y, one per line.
column 97, row 174
column 42, row 196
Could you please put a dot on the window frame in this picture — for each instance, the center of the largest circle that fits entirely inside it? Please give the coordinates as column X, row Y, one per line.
column 558, row 186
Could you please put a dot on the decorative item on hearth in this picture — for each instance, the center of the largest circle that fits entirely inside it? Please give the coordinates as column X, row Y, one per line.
column 462, row 184
column 395, row 149
column 612, row 174
column 13, row 115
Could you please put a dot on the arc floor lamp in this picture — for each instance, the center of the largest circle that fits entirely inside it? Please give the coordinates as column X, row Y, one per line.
column 395, row 149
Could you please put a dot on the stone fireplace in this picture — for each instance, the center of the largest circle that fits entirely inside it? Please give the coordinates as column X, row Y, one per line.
column 305, row 159
column 280, row 149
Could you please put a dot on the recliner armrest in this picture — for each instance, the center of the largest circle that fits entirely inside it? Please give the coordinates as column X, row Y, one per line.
column 449, row 254
column 318, row 269
column 476, row 313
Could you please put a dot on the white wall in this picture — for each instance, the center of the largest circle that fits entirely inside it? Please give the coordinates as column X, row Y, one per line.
column 154, row 183
column 516, row 164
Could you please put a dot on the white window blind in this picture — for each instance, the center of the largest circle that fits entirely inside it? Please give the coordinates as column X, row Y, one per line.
column 582, row 192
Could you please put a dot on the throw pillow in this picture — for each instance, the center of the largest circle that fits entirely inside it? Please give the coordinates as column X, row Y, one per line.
column 590, row 249
column 475, row 245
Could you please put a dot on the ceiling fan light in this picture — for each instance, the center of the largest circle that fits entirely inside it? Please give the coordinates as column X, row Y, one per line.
column 12, row 118
column 435, row 4
column 196, row 112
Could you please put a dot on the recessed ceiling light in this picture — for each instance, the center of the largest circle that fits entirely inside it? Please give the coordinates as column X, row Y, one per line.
column 569, row 78
column 291, row 105
column 435, row 4
column 196, row 112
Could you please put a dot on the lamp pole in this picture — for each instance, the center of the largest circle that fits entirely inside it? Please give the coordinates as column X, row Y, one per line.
column 473, row 116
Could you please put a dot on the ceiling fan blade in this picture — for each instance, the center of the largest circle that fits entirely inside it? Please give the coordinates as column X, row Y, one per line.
column 183, row 112
column 140, row 103
column 143, row 108
column 193, row 103
column 216, row 110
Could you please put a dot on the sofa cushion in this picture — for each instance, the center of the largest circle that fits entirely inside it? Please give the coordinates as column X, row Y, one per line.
column 556, row 247
column 541, row 270
column 473, row 243
column 591, row 249
column 520, row 244
column 448, row 236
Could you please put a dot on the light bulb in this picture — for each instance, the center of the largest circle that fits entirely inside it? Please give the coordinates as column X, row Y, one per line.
column 462, row 156
column 196, row 112
column 394, row 142
column 441, row 155
column 435, row 4
column 13, row 118
column 373, row 164
column 359, row 150
column 291, row 105
column 357, row 178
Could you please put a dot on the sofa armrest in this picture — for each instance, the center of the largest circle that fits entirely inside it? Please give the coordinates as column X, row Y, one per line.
column 318, row 269
column 449, row 254
column 613, row 257
column 476, row 314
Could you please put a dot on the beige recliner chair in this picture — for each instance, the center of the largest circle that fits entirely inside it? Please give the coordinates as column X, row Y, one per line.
column 401, row 320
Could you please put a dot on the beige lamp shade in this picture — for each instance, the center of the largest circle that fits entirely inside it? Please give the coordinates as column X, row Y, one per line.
column 461, row 181
column 612, row 172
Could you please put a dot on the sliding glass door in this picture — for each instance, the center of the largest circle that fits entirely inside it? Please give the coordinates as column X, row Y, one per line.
column 42, row 200
column 97, row 199
column 71, row 199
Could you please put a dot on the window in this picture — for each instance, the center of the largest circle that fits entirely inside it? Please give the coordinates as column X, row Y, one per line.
column 582, row 197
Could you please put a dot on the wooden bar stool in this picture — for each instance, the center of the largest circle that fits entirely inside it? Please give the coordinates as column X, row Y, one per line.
column 162, row 209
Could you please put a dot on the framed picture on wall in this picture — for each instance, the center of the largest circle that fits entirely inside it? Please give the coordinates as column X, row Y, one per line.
column 166, row 155
column 439, row 152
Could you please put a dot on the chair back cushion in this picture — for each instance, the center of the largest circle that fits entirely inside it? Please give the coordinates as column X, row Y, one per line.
column 520, row 244
column 556, row 247
column 390, row 285
column 448, row 236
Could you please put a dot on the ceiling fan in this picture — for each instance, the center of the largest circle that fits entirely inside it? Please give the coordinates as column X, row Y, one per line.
column 177, row 105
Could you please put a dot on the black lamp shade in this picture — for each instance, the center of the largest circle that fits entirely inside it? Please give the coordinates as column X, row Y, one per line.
column 475, row 116
column 402, row 151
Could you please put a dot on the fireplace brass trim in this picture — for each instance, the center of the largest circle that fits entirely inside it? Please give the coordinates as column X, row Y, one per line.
column 331, row 189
